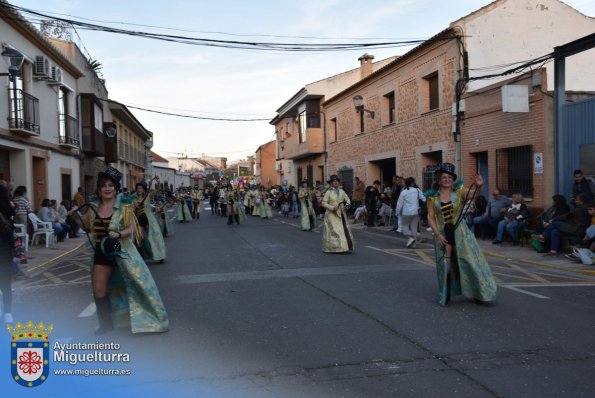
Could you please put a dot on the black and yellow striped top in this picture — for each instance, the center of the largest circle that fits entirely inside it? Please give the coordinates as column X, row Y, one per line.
column 101, row 228
column 140, row 208
column 448, row 211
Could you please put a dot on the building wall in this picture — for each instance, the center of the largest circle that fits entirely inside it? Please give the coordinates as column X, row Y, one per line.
column 268, row 176
column 509, row 31
column 486, row 128
column 416, row 138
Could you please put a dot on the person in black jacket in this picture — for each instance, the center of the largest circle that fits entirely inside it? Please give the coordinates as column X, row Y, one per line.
column 6, row 250
column 372, row 200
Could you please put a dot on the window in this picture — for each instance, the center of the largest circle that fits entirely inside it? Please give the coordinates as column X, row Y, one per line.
column 431, row 92
column 361, row 121
column 302, row 127
column 389, row 106
column 514, row 170
column 333, row 130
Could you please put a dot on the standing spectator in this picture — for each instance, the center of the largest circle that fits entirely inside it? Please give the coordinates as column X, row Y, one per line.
column 372, row 197
column 582, row 186
column 23, row 206
column 6, row 249
column 79, row 198
column 398, row 185
column 408, row 204
column 358, row 192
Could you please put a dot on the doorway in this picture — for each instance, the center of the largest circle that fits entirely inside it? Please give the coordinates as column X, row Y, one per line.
column 40, row 188
column 66, row 187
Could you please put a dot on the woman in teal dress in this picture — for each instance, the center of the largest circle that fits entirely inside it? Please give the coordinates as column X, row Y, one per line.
column 152, row 245
column 123, row 288
column 183, row 212
column 308, row 215
column 461, row 265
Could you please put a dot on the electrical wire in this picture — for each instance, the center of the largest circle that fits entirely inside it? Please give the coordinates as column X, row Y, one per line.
column 230, row 44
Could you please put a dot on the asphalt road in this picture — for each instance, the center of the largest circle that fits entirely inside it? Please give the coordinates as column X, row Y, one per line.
column 258, row 310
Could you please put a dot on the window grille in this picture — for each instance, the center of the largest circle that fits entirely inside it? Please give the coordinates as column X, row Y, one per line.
column 514, row 170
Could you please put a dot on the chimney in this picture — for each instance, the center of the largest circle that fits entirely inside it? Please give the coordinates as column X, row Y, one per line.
column 365, row 65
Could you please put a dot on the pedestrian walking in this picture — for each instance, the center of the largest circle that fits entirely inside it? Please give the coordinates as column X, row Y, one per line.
column 461, row 265
column 408, row 206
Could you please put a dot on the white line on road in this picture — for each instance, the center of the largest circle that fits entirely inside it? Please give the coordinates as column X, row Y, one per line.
column 516, row 289
column 88, row 311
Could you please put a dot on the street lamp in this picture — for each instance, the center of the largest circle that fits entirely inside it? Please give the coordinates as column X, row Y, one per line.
column 14, row 59
column 358, row 103
column 111, row 133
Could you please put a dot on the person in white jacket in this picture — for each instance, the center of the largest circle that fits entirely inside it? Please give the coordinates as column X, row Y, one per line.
column 408, row 203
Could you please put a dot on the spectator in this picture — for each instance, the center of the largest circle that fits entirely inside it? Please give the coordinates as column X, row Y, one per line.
column 372, row 198
column 574, row 226
column 493, row 214
column 408, row 205
column 23, row 205
column 514, row 217
column 79, row 198
column 48, row 214
column 558, row 211
column 6, row 245
column 582, row 186
column 65, row 215
column 384, row 211
column 358, row 193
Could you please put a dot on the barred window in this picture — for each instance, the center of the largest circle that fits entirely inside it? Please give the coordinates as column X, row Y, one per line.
column 514, row 170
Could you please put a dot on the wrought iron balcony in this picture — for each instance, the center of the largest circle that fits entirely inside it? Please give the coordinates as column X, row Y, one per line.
column 69, row 131
column 23, row 112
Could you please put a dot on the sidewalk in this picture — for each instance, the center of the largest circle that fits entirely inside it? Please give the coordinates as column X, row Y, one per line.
column 40, row 258
column 506, row 250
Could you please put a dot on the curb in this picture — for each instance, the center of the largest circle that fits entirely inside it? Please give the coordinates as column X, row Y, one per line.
column 538, row 263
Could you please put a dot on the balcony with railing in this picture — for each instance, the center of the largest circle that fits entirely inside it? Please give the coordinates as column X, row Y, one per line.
column 69, row 131
column 93, row 141
column 23, row 115
column 313, row 145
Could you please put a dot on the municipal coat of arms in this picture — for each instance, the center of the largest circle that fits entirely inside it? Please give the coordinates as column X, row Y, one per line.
column 29, row 353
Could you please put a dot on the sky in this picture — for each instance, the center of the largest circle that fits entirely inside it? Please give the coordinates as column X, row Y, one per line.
column 238, row 84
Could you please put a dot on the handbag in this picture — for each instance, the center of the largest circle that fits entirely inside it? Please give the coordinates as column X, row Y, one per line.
column 586, row 256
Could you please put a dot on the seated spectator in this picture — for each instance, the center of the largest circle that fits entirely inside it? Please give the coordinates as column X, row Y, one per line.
column 66, row 215
column 494, row 213
column 47, row 214
column 558, row 211
column 574, row 226
column 514, row 217
column 359, row 212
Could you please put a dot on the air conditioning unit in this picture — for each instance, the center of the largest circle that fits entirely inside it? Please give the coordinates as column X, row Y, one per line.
column 42, row 68
column 56, row 75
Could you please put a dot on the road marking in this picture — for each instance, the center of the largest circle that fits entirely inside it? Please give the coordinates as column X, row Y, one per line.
column 424, row 256
column 401, row 253
column 526, row 272
column 516, row 289
column 88, row 311
column 53, row 277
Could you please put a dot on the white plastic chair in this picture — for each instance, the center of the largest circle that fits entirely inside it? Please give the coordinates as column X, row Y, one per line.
column 21, row 232
column 41, row 228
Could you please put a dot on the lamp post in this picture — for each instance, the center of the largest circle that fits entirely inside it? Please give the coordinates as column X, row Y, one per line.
column 14, row 59
column 358, row 103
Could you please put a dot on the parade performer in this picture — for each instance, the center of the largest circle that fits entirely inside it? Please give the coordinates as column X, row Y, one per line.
column 336, row 236
column 123, row 288
column 308, row 216
column 256, row 209
column 197, row 197
column 161, row 208
column 265, row 209
column 461, row 265
column 152, row 246
column 249, row 199
column 234, row 208
column 183, row 210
